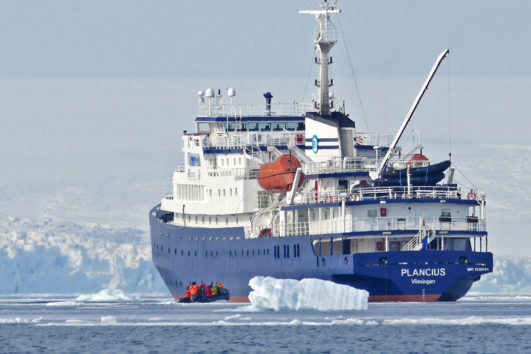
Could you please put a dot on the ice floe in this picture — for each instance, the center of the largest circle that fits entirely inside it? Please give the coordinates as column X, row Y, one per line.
column 105, row 295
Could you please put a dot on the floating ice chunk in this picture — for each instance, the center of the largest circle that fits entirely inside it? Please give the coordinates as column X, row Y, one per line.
column 62, row 303
column 308, row 294
column 105, row 295
column 108, row 319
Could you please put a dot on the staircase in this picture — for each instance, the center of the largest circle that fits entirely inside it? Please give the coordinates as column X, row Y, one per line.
column 415, row 244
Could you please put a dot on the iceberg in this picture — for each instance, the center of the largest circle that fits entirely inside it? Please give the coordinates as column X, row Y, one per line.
column 306, row 294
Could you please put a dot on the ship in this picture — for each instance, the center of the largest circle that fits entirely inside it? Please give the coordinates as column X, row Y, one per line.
column 296, row 191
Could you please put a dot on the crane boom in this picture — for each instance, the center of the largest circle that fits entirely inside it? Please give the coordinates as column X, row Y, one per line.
column 409, row 114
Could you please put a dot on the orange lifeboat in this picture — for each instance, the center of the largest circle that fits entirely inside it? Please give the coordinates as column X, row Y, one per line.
column 418, row 160
column 278, row 176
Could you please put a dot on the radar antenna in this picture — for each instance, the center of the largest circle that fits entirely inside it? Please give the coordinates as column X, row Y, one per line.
column 324, row 41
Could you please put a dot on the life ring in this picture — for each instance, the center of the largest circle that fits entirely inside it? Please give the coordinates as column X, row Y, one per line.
column 471, row 196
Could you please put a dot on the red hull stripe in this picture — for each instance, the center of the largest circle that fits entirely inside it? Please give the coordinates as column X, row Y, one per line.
column 372, row 298
column 405, row 298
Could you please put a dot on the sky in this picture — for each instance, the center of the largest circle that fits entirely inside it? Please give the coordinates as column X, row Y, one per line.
column 133, row 38
column 95, row 94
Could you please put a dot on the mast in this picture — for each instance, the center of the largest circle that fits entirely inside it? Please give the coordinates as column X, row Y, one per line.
column 324, row 41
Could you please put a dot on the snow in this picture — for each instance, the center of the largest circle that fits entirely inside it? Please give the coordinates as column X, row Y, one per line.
column 105, row 295
column 306, row 294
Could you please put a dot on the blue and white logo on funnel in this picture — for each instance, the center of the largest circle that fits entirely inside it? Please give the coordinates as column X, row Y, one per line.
column 315, row 144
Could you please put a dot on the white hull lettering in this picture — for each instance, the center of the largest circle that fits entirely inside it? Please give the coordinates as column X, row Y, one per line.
column 423, row 272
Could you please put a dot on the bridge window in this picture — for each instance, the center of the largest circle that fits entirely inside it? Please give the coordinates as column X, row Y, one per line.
column 265, row 127
column 252, row 126
column 277, row 127
column 291, row 126
column 300, row 126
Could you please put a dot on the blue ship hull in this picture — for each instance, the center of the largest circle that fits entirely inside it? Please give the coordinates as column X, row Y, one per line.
column 186, row 254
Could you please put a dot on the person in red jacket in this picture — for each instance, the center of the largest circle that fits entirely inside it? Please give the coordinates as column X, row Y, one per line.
column 194, row 291
column 208, row 290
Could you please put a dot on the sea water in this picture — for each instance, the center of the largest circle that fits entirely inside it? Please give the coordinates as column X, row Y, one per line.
column 483, row 324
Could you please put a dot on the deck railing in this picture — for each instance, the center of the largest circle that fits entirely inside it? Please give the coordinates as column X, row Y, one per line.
column 383, row 193
column 256, row 110
column 338, row 226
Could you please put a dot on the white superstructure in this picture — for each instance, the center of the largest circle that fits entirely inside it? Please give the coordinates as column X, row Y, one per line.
column 349, row 187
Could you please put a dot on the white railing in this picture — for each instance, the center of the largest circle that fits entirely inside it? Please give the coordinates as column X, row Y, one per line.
column 230, row 110
column 374, row 139
column 240, row 141
column 338, row 226
column 336, row 165
column 383, row 193
column 245, row 173
column 415, row 243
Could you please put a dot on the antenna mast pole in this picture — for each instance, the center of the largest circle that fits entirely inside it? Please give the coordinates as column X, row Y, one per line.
column 324, row 42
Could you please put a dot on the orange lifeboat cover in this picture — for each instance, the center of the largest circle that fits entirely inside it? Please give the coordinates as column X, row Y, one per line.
column 278, row 176
column 419, row 160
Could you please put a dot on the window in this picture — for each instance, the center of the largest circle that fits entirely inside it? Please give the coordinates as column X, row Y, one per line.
column 223, row 191
column 235, row 191
column 230, row 192
column 278, row 127
column 216, row 220
column 446, row 215
column 300, row 126
column 291, row 126
column 226, row 221
column 265, row 127
column 372, row 213
column 252, row 126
